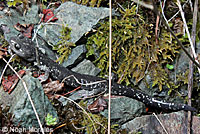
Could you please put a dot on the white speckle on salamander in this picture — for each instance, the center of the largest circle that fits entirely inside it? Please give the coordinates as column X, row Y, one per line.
column 72, row 84
column 159, row 105
column 82, row 81
column 138, row 96
column 161, row 102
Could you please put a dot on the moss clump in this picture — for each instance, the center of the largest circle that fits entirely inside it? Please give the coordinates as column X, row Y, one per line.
column 91, row 3
column 63, row 47
column 135, row 51
column 3, row 41
column 77, row 121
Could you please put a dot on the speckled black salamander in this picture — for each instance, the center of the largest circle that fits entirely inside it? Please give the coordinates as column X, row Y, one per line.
column 25, row 49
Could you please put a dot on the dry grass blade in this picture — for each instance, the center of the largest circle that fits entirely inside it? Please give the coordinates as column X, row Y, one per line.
column 191, row 68
column 188, row 33
column 160, row 123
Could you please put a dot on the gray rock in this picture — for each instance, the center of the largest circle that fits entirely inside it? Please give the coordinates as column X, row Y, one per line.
column 174, row 123
column 124, row 109
column 63, row 101
column 86, row 67
column 198, row 47
column 76, row 56
column 15, row 17
column 32, row 16
column 10, row 21
column 21, row 107
column 182, row 62
column 79, row 18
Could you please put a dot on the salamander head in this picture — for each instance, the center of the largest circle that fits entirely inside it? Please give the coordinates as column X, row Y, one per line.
column 23, row 47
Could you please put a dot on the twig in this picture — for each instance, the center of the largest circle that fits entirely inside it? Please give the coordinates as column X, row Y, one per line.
column 6, row 67
column 190, row 86
column 160, row 123
column 178, row 11
column 191, row 5
column 120, row 6
column 162, row 7
column 72, row 91
column 143, row 4
column 176, row 38
column 120, row 78
column 188, row 33
column 110, row 66
column 29, row 97
column 190, row 77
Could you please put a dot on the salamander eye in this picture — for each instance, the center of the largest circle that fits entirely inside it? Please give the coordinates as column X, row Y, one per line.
column 17, row 46
column 21, row 36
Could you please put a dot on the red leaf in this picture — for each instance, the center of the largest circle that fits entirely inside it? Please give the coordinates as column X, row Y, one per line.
column 53, row 86
column 48, row 14
column 11, row 81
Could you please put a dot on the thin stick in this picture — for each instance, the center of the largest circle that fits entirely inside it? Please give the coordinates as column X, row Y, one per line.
column 160, row 123
column 6, row 67
column 188, row 33
column 191, row 68
column 177, row 11
column 29, row 96
column 176, row 38
column 190, row 86
column 143, row 4
column 110, row 59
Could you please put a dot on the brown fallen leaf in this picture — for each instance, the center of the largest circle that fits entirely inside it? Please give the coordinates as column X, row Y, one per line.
column 3, row 52
column 98, row 105
column 53, row 87
column 178, row 26
column 25, row 29
column 2, row 5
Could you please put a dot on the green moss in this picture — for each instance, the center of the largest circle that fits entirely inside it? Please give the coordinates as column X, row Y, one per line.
column 135, row 51
column 91, row 3
column 77, row 121
column 3, row 41
column 13, row 3
column 63, row 47
column 100, row 123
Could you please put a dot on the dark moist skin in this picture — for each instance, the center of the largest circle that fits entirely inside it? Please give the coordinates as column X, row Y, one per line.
column 25, row 48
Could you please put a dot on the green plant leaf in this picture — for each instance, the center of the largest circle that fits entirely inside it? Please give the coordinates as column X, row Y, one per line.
column 50, row 121
column 170, row 67
column 13, row 2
